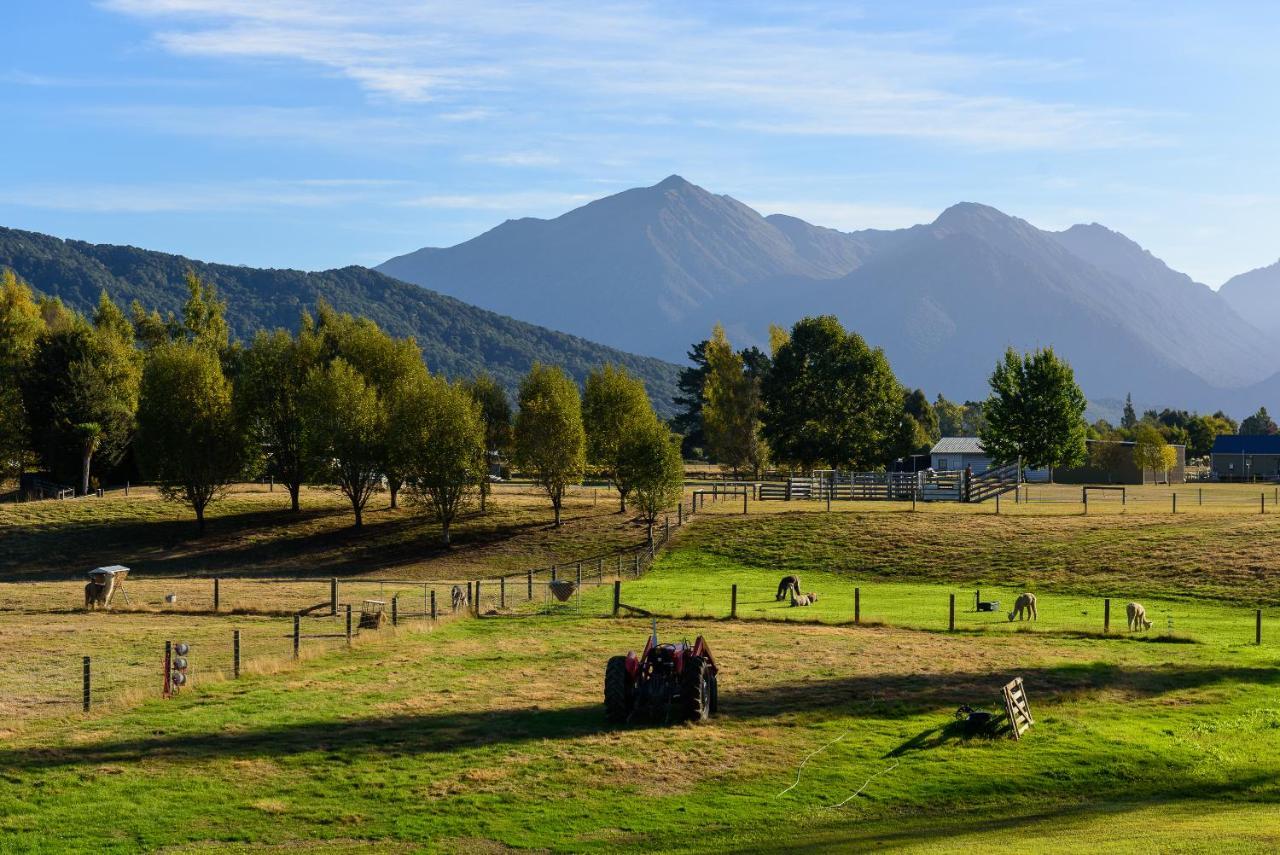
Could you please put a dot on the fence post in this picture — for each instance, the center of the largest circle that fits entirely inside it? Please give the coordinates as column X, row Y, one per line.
column 1106, row 615
column 997, row 504
column 857, row 605
column 333, row 596
column 475, row 602
column 433, row 602
column 529, row 582
column 733, row 602
column 666, row 528
column 217, row 598
column 1263, row 507
column 126, row 488
column 348, row 624
column 297, row 635
column 1257, row 627
column 951, row 615
column 617, row 595
column 554, row 578
column 1201, row 495
column 502, row 592
column 87, row 683
column 1175, row 503
column 744, row 501
column 395, row 609
column 636, row 571
column 680, row 513
column 235, row 654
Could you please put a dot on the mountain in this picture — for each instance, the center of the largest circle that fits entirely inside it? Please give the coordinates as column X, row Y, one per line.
column 1256, row 297
column 456, row 338
column 651, row 269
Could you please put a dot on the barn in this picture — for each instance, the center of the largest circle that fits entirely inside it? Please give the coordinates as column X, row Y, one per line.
column 1236, row 457
column 954, row 453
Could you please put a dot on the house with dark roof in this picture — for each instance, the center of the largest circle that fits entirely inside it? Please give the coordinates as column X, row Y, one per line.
column 1237, row 457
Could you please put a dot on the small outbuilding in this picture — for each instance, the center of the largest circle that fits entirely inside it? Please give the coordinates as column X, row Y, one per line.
column 954, row 453
column 1237, row 457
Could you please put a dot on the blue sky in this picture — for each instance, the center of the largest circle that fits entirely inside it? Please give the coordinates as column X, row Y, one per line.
column 317, row 133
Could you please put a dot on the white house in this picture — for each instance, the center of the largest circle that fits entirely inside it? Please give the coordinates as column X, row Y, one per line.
column 954, row 453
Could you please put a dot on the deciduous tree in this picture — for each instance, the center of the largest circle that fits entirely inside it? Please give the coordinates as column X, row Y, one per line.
column 1035, row 412
column 614, row 404
column 731, row 412
column 550, row 440
column 495, row 411
column 20, row 328
column 190, row 439
column 345, row 432
column 650, row 459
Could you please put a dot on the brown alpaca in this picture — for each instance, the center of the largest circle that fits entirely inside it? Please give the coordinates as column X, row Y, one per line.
column 788, row 585
column 1137, row 617
column 1024, row 607
column 803, row 599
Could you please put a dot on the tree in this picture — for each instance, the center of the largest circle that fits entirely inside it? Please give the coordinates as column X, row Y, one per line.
column 550, row 440
column 1259, row 424
column 345, row 432
column 731, row 412
column 1129, row 420
column 20, row 328
column 81, row 392
column 1203, row 430
column 204, row 315
column 190, row 439
column 613, row 405
column 830, row 398
column 949, row 416
column 651, row 460
column 436, row 434
column 495, row 412
column 274, row 369
column 691, row 383
column 918, row 428
column 1151, row 451
column 1036, row 412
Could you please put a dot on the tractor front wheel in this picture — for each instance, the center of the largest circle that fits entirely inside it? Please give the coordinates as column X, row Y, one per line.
column 695, row 691
column 617, row 690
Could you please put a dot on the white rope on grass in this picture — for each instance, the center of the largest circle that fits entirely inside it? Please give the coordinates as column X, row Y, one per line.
column 807, row 759
column 864, row 786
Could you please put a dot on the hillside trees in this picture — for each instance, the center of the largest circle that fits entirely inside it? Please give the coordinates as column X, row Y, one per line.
column 1035, row 412
column 190, row 439
column 830, row 398
column 436, row 434
column 614, row 406
column 550, row 443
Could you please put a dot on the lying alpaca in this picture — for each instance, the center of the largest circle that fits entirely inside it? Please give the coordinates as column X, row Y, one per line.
column 1024, row 607
column 803, row 599
column 1137, row 617
column 788, row 585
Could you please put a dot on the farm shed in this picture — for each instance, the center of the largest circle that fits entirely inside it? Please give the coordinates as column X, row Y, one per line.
column 1113, row 462
column 1245, row 458
column 954, row 453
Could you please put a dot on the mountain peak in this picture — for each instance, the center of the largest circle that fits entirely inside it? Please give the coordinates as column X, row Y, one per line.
column 674, row 182
column 964, row 214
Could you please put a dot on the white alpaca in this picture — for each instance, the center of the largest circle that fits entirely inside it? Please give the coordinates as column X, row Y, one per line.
column 804, row 599
column 1024, row 607
column 1137, row 617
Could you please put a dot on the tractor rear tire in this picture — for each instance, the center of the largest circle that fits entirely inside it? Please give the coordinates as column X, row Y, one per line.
column 714, row 686
column 617, row 691
column 695, row 689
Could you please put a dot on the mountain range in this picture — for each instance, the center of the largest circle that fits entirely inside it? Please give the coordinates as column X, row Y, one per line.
column 457, row 339
column 651, row 269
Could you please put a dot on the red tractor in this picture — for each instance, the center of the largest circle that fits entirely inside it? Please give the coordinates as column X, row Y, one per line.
column 675, row 677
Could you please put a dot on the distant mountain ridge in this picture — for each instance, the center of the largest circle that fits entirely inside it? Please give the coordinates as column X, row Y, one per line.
column 651, row 269
column 1256, row 297
column 456, row 338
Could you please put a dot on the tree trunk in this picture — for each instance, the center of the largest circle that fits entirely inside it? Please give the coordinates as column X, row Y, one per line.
column 622, row 502
column 484, row 492
column 359, row 514
column 294, row 489
column 84, row 468
column 555, row 503
column 394, row 487
column 445, row 526
column 199, row 509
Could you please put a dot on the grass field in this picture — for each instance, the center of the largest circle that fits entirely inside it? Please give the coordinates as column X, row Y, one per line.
column 488, row 735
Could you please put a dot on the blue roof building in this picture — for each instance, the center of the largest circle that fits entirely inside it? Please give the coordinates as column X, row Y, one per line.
column 1237, row 457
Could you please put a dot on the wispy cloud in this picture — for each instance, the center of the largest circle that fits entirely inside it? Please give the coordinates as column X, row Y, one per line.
column 809, row 75
column 514, row 204
column 140, row 198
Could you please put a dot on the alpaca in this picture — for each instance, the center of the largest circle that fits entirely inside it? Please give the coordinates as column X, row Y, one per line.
column 1024, row 607
column 461, row 596
column 98, row 594
column 798, row 599
column 1137, row 617
column 787, row 585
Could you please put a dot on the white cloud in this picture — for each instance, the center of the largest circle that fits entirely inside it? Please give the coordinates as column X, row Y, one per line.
column 812, row 75
column 514, row 204
column 138, row 198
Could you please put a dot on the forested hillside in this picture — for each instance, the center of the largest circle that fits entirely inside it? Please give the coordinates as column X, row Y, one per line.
column 456, row 338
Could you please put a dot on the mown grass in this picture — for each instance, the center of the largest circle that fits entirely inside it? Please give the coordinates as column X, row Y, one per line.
column 489, row 733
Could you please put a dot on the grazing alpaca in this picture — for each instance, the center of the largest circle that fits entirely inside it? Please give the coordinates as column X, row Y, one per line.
column 788, row 585
column 1024, row 607
column 460, row 596
column 1137, row 617
column 98, row 594
column 798, row 599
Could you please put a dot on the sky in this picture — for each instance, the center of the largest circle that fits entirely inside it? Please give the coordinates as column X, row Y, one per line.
column 320, row 133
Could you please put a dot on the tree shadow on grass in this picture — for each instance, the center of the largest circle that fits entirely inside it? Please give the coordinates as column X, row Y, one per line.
column 878, row 697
